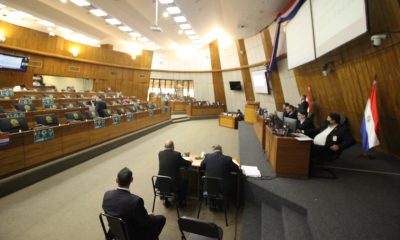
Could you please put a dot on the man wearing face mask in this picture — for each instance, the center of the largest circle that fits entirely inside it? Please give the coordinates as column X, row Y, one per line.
column 331, row 140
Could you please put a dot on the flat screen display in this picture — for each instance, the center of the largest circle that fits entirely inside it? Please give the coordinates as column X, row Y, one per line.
column 14, row 63
column 259, row 80
column 235, row 85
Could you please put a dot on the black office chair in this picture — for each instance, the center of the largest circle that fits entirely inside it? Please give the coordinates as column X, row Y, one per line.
column 91, row 115
column 213, row 192
column 69, row 105
column 121, row 111
column 107, row 112
column 25, row 107
column 117, row 228
column 199, row 229
column 73, row 116
column 132, row 109
column 83, row 103
column 162, row 187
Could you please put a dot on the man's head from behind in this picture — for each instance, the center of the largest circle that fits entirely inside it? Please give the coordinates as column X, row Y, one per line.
column 169, row 144
column 217, row 148
column 124, row 177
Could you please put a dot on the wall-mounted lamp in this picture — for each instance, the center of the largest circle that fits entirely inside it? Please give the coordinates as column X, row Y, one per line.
column 328, row 68
column 74, row 51
column 2, row 37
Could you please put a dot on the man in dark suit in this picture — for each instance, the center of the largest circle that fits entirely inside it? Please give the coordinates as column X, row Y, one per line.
column 100, row 106
column 291, row 112
column 170, row 163
column 217, row 164
column 303, row 122
column 130, row 207
column 330, row 140
column 285, row 105
column 303, row 105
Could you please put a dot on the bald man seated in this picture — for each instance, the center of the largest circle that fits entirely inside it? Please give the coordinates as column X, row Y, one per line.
column 170, row 163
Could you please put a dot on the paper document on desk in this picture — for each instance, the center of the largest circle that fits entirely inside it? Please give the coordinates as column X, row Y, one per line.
column 302, row 137
column 251, row 171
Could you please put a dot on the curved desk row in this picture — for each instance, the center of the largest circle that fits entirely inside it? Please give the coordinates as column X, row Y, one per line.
column 194, row 111
column 23, row 153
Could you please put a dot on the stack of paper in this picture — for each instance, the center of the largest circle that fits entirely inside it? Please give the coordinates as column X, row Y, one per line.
column 251, row 171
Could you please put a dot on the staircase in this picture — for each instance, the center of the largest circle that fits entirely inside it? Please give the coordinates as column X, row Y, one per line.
column 180, row 119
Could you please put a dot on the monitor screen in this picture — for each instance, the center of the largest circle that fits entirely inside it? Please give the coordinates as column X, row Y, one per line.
column 15, row 63
column 290, row 123
column 47, row 119
column 235, row 85
column 260, row 84
column 13, row 124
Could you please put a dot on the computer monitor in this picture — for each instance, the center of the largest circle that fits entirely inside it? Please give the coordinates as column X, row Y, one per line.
column 25, row 107
column 47, row 119
column 91, row 115
column 73, row 116
column 13, row 124
column 290, row 123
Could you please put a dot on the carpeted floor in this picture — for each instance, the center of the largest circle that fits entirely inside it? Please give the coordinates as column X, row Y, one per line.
column 67, row 205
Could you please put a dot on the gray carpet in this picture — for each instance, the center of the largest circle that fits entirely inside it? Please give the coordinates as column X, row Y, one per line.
column 66, row 205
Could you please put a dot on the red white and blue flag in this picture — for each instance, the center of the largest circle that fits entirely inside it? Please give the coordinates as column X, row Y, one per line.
column 4, row 140
column 308, row 99
column 287, row 14
column 370, row 123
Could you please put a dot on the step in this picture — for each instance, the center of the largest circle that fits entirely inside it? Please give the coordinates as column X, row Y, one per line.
column 178, row 120
column 295, row 225
column 251, row 222
column 271, row 223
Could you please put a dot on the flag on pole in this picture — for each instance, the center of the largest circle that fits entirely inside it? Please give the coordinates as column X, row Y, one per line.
column 370, row 122
column 308, row 99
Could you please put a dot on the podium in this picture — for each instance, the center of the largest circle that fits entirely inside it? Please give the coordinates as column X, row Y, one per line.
column 250, row 112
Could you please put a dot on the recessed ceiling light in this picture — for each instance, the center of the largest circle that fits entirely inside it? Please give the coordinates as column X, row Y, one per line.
column 135, row 34
column 180, row 19
column 98, row 12
column 125, row 28
column 180, row 31
column 46, row 23
column 166, row 1
column 185, row 26
column 194, row 37
column 165, row 14
column 81, row 3
column 64, row 1
column 143, row 39
column 64, row 30
column 173, row 10
column 113, row 21
column 190, row 32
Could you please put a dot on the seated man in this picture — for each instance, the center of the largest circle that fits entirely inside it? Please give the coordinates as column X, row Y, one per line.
column 304, row 122
column 291, row 112
column 331, row 140
column 130, row 207
column 100, row 106
column 170, row 162
column 217, row 164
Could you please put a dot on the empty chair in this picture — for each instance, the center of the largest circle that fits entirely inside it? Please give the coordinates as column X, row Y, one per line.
column 91, row 115
column 121, row 111
column 47, row 119
column 69, row 105
column 107, row 112
column 213, row 193
column 13, row 124
column 117, row 228
column 25, row 107
column 162, row 187
column 83, row 103
column 199, row 229
column 73, row 116
column 53, row 106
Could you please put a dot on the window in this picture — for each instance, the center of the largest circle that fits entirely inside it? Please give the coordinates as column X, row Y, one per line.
column 176, row 88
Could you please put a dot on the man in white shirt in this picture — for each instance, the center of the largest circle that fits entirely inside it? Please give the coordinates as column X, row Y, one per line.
column 331, row 140
column 19, row 88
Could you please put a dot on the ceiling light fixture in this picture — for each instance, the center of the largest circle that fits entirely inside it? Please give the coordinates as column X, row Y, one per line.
column 185, row 26
column 180, row 31
column 165, row 14
column 52, row 34
column 190, row 32
column 64, row 1
column 173, row 10
column 46, row 23
column 74, row 51
column 155, row 27
column 143, row 39
column 98, row 12
column 125, row 28
column 64, row 30
column 81, row 3
column 135, row 34
column 180, row 19
column 166, row 1
column 194, row 37
column 113, row 21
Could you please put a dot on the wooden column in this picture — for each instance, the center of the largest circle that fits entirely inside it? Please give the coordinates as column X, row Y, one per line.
column 248, row 87
column 219, row 92
column 275, row 80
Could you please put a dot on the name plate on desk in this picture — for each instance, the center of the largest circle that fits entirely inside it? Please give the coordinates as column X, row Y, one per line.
column 43, row 134
column 25, row 101
column 129, row 117
column 47, row 102
column 6, row 93
column 99, row 122
column 116, row 119
column 151, row 112
column 15, row 114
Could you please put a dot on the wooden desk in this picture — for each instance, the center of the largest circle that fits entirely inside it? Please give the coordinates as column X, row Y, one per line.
column 193, row 111
column 259, row 129
column 250, row 112
column 177, row 106
column 287, row 156
column 228, row 121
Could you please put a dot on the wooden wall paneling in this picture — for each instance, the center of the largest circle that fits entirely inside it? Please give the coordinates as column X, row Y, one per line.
column 75, row 137
column 218, row 83
column 275, row 80
column 248, row 86
column 12, row 156
column 383, row 15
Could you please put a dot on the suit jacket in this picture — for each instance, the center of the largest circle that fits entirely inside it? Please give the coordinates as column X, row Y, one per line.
column 307, row 124
column 340, row 135
column 292, row 114
column 130, row 207
column 218, row 165
column 303, row 107
column 170, row 162
column 100, row 106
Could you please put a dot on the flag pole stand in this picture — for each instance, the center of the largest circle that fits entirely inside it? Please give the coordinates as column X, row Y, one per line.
column 366, row 156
